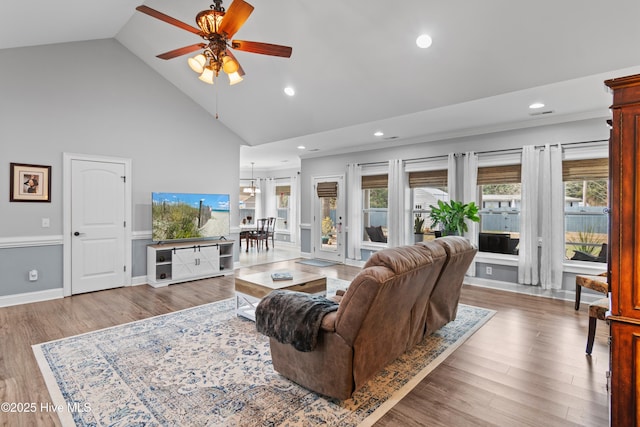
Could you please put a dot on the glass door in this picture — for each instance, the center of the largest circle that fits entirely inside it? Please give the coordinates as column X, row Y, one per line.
column 328, row 219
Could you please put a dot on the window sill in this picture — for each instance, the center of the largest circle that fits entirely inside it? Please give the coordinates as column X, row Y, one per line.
column 373, row 246
column 498, row 259
column 584, row 267
column 568, row 266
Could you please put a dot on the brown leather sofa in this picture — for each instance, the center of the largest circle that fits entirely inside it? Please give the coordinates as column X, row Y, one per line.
column 401, row 295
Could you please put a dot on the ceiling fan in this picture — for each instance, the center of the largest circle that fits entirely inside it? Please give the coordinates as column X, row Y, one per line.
column 217, row 27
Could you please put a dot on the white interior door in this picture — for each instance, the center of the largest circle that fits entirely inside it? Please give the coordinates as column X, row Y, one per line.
column 97, row 225
column 328, row 218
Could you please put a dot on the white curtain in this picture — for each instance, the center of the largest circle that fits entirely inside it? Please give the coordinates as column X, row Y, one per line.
column 269, row 197
column 259, row 198
column 398, row 218
column 552, row 217
column 293, row 209
column 470, row 194
column 452, row 180
column 354, row 209
column 528, row 247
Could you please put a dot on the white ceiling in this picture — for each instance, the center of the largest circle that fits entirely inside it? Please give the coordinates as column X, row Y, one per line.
column 356, row 68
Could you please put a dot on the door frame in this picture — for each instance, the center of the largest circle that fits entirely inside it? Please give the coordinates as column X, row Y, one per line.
column 316, row 224
column 67, row 241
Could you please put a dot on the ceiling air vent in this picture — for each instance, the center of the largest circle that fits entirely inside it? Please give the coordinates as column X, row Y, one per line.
column 540, row 113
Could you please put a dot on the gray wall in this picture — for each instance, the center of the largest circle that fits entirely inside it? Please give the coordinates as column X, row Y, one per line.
column 584, row 130
column 97, row 98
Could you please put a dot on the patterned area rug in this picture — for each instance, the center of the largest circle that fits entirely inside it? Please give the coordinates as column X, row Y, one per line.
column 206, row 366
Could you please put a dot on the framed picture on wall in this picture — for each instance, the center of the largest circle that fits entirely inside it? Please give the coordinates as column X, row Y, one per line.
column 29, row 183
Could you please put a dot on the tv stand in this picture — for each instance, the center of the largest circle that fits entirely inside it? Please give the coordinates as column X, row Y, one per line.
column 169, row 263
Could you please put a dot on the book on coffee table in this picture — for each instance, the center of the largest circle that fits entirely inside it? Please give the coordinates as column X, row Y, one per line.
column 282, row 276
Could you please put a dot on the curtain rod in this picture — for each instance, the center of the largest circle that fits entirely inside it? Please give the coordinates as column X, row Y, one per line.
column 562, row 144
column 257, row 177
column 504, row 150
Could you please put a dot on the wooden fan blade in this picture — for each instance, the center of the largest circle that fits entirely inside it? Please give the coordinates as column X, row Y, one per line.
column 169, row 20
column 240, row 70
column 262, row 48
column 181, row 51
column 234, row 17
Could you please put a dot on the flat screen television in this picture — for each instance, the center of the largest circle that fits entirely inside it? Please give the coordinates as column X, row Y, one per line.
column 189, row 216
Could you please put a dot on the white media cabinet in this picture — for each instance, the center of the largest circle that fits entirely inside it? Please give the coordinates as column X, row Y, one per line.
column 169, row 263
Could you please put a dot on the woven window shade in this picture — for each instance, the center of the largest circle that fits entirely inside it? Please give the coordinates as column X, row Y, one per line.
column 327, row 189
column 283, row 189
column 508, row 174
column 370, row 182
column 584, row 170
column 434, row 179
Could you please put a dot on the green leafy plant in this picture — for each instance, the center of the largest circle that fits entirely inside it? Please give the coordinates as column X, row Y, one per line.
column 418, row 225
column 451, row 215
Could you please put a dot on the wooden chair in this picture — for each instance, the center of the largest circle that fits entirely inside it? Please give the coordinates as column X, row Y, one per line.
column 597, row 311
column 271, row 228
column 597, row 283
column 259, row 235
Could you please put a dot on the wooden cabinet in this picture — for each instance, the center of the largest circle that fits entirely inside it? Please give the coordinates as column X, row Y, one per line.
column 624, row 252
column 174, row 263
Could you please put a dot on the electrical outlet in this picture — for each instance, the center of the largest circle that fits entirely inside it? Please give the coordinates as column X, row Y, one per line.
column 489, row 271
column 33, row 275
column 45, row 223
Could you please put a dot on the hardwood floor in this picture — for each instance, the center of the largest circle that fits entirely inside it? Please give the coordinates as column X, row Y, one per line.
column 525, row 367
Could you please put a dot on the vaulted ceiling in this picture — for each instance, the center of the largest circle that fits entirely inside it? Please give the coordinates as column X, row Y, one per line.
column 356, row 68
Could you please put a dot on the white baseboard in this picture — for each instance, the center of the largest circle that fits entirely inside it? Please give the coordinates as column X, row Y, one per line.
column 139, row 280
column 29, row 297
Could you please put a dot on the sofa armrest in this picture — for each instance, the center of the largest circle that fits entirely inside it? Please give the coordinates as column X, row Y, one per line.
column 293, row 317
column 329, row 322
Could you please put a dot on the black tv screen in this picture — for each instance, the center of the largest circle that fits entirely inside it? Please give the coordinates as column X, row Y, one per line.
column 189, row 216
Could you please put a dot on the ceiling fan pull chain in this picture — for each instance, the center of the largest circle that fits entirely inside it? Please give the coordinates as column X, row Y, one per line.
column 215, row 88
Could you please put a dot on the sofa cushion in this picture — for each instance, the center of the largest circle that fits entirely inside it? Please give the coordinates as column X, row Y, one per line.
column 443, row 303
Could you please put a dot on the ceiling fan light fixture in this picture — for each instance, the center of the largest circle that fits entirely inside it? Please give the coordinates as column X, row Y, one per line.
column 209, row 20
column 197, row 63
column 234, row 78
column 207, row 75
column 229, row 65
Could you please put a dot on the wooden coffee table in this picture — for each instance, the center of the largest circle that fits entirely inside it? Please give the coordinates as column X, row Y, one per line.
column 251, row 288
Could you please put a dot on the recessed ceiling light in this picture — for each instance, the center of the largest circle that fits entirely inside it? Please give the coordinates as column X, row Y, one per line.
column 289, row 91
column 301, row 147
column 378, row 133
column 536, row 105
column 424, row 41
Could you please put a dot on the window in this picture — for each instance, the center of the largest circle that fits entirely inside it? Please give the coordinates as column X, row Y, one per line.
column 586, row 213
column 427, row 187
column 375, row 208
column 499, row 202
column 282, row 206
column 247, row 208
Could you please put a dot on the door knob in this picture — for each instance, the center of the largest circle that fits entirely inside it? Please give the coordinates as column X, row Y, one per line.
column 77, row 233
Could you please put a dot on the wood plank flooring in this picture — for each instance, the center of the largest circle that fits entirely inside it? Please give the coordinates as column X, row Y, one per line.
column 525, row 367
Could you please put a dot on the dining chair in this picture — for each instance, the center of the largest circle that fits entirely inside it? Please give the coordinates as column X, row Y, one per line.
column 271, row 228
column 259, row 235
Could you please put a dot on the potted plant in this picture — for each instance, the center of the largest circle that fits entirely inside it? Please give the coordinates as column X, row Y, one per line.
column 451, row 216
column 418, row 233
